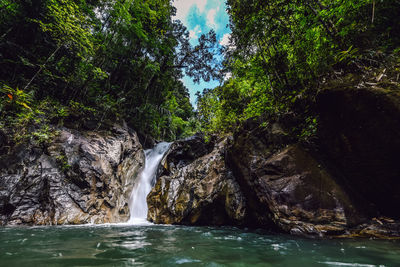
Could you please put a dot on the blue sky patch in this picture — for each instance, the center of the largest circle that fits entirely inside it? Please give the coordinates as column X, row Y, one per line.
column 200, row 16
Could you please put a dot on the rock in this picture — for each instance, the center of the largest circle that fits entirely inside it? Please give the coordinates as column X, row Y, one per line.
column 359, row 133
column 81, row 177
column 146, row 140
column 251, row 180
column 197, row 191
column 261, row 178
column 286, row 187
column 3, row 143
column 185, row 151
column 377, row 228
column 258, row 178
column 290, row 191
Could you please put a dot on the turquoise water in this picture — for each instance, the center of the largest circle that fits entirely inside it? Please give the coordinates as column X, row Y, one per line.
column 123, row 245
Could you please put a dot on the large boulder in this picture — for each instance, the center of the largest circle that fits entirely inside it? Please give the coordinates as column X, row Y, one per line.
column 198, row 189
column 80, row 177
column 286, row 187
column 359, row 132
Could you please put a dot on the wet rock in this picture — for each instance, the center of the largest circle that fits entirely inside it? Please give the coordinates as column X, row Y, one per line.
column 81, row 177
column 197, row 191
column 376, row 228
column 380, row 228
column 146, row 140
column 288, row 190
column 359, row 132
column 251, row 180
column 3, row 142
column 185, row 151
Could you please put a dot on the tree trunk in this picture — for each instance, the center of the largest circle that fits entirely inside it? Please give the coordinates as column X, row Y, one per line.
column 373, row 11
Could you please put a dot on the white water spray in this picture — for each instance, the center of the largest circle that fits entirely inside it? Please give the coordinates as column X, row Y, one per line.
column 137, row 201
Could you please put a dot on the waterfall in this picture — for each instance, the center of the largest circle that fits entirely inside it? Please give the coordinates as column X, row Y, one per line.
column 144, row 183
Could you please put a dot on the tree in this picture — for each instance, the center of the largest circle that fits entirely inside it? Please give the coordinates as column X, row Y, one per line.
column 281, row 51
column 115, row 58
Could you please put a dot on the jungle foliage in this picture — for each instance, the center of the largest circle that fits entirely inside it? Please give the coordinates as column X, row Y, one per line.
column 84, row 63
column 281, row 52
column 92, row 61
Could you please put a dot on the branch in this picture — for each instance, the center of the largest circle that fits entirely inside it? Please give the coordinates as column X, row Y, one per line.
column 7, row 32
column 373, row 11
column 179, row 66
column 41, row 67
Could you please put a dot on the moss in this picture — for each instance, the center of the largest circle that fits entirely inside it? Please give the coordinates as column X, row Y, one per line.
column 62, row 162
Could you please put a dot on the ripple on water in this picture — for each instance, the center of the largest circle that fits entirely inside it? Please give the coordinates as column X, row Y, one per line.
column 335, row 263
column 186, row 260
column 116, row 245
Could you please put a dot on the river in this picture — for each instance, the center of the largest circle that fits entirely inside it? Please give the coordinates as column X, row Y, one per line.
column 161, row 245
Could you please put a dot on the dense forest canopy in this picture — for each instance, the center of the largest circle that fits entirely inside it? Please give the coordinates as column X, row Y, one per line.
column 83, row 63
column 282, row 51
column 92, row 61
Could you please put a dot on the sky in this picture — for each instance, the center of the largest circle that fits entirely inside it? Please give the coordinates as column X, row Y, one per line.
column 200, row 16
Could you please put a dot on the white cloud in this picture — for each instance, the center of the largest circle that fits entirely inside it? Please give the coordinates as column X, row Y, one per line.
column 192, row 34
column 195, row 32
column 225, row 39
column 201, row 4
column 183, row 7
column 211, row 17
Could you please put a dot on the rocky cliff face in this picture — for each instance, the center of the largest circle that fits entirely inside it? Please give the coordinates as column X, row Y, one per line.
column 81, row 177
column 360, row 134
column 197, row 188
column 250, row 180
column 287, row 188
column 261, row 177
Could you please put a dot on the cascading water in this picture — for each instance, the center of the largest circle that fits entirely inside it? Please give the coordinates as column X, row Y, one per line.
column 137, row 201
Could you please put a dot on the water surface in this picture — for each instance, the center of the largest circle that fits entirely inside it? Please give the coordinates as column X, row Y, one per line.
column 151, row 245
